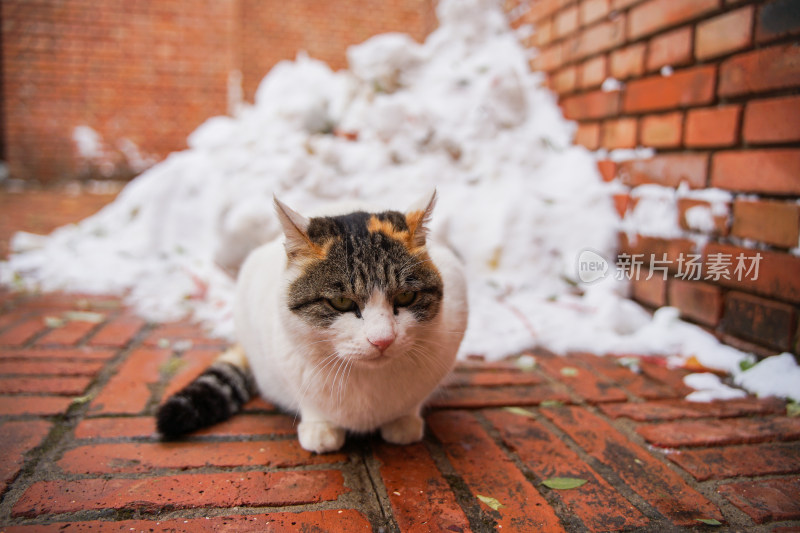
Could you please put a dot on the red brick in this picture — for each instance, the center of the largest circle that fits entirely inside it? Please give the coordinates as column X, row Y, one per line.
column 56, row 367
column 22, row 332
column 666, row 169
column 565, row 80
column 566, row 22
column 760, row 70
column 735, row 461
column 543, row 8
column 598, row 38
column 724, row 34
column 589, row 385
column 654, row 247
column 543, row 33
column 592, row 72
column 548, row 59
column 622, row 202
column 182, row 491
column 67, row 335
column 661, row 131
column 477, row 397
column 593, row 10
column 33, row 405
column 599, row 506
column 592, row 105
column 117, row 332
column 627, row 62
column 607, row 169
column 16, row 439
column 648, row 477
column 772, row 120
column 720, row 432
column 56, row 353
column 144, row 426
column 689, row 87
column 767, row 500
column 637, row 384
column 759, row 171
column 657, row 369
column 655, row 15
column 672, row 49
column 698, row 301
column 759, row 320
column 619, row 133
column 718, row 126
column 144, row 456
column 652, row 292
column 491, row 378
column 777, row 19
column 622, row 4
column 679, row 409
column 191, row 364
column 777, row 272
column 588, row 135
column 776, row 223
column 420, row 497
column 65, row 386
column 720, row 226
column 329, row 520
column 489, row 472
column 128, row 391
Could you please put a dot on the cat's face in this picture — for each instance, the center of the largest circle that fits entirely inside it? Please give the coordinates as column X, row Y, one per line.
column 363, row 283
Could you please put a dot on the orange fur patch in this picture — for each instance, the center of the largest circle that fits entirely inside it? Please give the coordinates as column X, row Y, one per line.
column 387, row 228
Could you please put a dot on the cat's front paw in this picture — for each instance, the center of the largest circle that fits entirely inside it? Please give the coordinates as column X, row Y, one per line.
column 320, row 436
column 404, row 430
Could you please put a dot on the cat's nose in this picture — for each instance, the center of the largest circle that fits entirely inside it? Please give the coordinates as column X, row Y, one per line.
column 382, row 342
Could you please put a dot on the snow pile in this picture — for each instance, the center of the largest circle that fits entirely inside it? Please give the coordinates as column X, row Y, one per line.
column 461, row 112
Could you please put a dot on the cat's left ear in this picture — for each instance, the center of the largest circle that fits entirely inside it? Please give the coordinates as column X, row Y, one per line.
column 295, row 228
column 418, row 217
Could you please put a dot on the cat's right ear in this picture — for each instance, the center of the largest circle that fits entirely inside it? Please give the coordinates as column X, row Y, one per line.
column 295, row 228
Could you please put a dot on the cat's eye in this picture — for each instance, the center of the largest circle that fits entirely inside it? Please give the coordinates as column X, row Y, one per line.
column 405, row 298
column 342, row 304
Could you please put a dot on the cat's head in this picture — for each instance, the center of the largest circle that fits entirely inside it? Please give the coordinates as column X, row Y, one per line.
column 362, row 282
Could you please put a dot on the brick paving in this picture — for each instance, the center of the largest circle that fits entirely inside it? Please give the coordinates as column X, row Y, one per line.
column 78, row 392
column 77, row 399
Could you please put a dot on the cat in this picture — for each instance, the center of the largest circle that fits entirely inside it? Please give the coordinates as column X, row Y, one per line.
column 351, row 322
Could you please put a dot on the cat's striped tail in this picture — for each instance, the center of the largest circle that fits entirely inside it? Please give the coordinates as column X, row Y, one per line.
column 216, row 395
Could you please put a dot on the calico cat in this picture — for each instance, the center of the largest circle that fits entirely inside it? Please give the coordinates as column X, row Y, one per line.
column 351, row 323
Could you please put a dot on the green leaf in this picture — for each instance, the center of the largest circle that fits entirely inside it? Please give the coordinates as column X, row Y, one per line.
column 709, row 521
column 551, row 403
column 564, row 483
column 793, row 408
column 569, row 371
column 746, row 364
column 491, row 502
column 519, row 411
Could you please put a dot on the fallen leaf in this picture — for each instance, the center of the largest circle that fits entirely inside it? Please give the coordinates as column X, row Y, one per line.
column 519, row 411
column 551, row 403
column 569, row 371
column 84, row 316
column 793, row 409
column 53, row 322
column 564, row 483
column 491, row 502
column 709, row 521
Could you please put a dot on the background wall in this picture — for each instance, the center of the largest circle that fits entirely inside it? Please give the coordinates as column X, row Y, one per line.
column 143, row 74
column 713, row 86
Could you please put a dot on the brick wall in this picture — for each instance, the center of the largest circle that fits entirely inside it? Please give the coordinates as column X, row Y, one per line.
column 713, row 86
column 143, row 75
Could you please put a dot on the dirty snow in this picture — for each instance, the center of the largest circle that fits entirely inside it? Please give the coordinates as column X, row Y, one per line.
column 461, row 112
